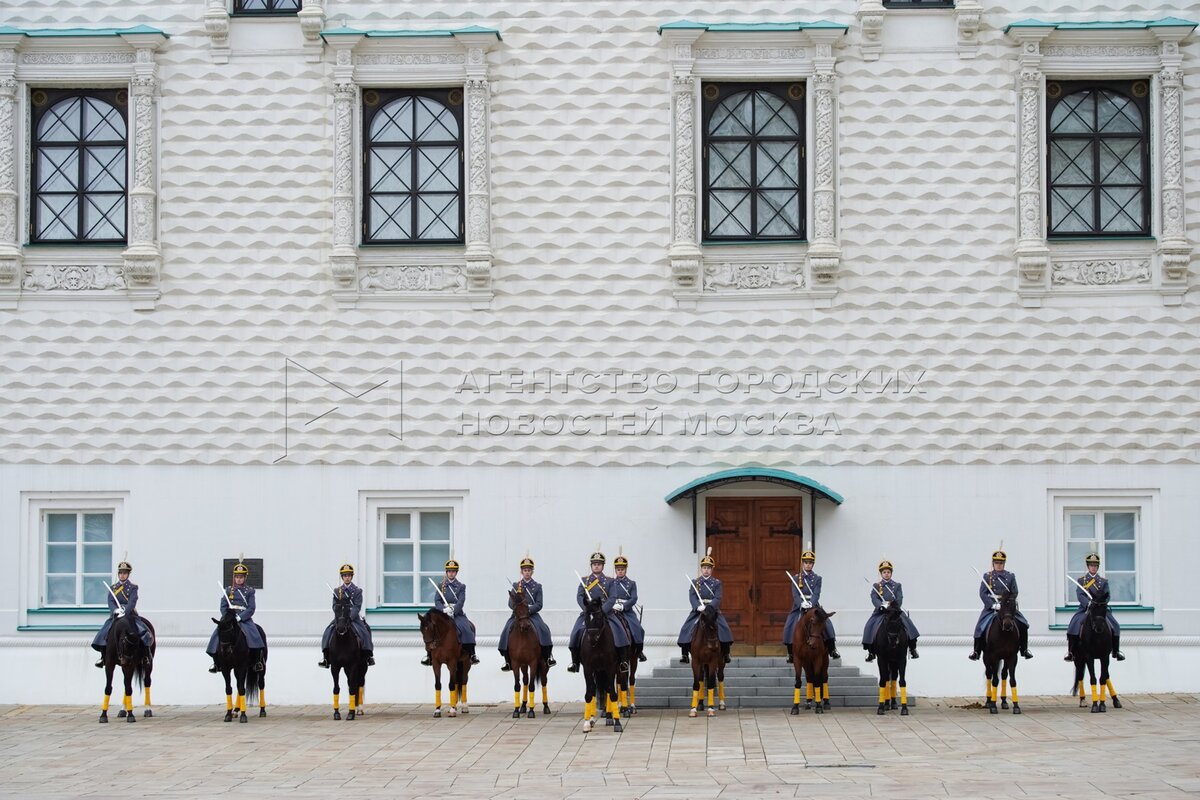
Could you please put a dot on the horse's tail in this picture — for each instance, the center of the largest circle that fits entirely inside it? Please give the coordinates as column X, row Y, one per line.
column 139, row 674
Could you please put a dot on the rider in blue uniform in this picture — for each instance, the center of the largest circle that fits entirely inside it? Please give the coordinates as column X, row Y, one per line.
column 625, row 588
column 1097, row 585
column 348, row 591
column 883, row 594
column 125, row 593
column 533, row 598
column 240, row 597
column 704, row 592
column 597, row 585
column 810, row 582
column 455, row 593
column 994, row 584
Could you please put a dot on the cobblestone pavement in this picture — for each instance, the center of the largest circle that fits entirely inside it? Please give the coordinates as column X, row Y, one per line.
column 1149, row 749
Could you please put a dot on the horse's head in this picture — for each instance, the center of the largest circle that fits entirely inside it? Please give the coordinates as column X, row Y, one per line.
column 228, row 632
column 431, row 629
column 129, row 639
column 520, row 605
column 893, row 624
column 594, row 620
column 1097, row 611
column 1008, row 612
column 814, row 625
column 341, row 615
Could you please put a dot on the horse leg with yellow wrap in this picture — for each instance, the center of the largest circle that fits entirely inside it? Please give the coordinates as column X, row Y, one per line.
column 695, row 694
column 519, row 694
column 530, row 689
column 1016, row 703
column 543, row 671
column 710, row 683
column 108, row 676
column 589, row 700
column 1104, row 683
column 616, row 705
column 884, row 685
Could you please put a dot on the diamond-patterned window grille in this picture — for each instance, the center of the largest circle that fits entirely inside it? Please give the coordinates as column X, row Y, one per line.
column 413, row 166
column 1098, row 171
column 753, row 162
column 265, row 7
column 918, row 3
column 79, row 175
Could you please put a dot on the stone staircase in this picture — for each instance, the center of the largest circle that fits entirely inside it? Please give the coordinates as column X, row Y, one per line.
column 756, row 682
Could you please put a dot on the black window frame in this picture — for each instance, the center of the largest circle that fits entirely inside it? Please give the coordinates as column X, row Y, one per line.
column 373, row 101
column 918, row 3
column 1059, row 90
column 118, row 98
column 271, row 10
column 709, row 102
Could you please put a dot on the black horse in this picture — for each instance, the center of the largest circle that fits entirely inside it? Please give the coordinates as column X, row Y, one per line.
column 124, row 647
column 891, row 647
column 1095, row 643
column 1001, row 644
column 234, row 655
column 600, row 661
column 346, row 654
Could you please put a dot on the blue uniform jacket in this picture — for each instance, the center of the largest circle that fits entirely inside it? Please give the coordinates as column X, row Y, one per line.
column 710, row 589
column 1096, row 585
column 533, row 598
column 456, row 595
column 811, row 583
column 598, row 586
column 999, row 583
column 127, row 592
column 625, row 591
column 361, row 630
column 888, row 591
column 239, row 596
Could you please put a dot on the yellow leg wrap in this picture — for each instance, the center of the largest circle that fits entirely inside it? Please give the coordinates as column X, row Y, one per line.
column 147, row 703
column 546, row 695
column 129, row 702
column 1004, row 688
column 454, row 697
column 1095, row 694
column 795, row 697
column 353, row 703
column 882, row 694
column 721, row 691
column 1015, row 695
column 1103, row 690
column 229, row 702
column 903, row 695
column 104, row 703
column 1081, row 687
column 516, row 699
column 808, row 691
column 825, row 691
column 818, row 694
column 262, row 698
column 462, row 694
column 589, row 709
column 1112, row 690
column 893, row 690
column 337, row 701
column 695, row 697
column 437, row 698
column 361, row 694
column 710, row 697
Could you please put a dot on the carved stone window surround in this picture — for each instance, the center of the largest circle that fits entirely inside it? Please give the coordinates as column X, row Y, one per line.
column 217, row 25
column 1050, row 270
column 967, row 16
column 100, row 58
column 436, row 275
column 797, row 274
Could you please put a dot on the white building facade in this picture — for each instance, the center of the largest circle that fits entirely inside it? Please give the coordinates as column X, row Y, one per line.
column 321, row 282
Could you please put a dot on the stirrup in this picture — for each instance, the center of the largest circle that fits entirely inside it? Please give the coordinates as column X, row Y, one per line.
column 507, row 667
column 427, row 661
column 474, row 658
column 214, row 669
column 912, row 653
column 258, row 666
column 1026, row 654
column 370, row 661
column 685, row 659
column 1119, row 656
column 641, row 656
column 728, row 658
column 790, row 660
column 323, row 663
column 870, row 656
column 550, row 662
column 974, row 656
column 100, row 663
column 574, row 667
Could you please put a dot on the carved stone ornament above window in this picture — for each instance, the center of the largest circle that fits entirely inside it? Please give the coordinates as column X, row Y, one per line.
column 794, row 273
column 80, row 57
column 967, row 16
column 311, row 17
column 1062, row 270
column 425, row 274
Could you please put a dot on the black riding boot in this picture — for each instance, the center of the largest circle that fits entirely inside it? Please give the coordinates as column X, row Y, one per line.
column 1117, row 654
column 684, row 649
column 641, row 651
column 256, row 657
column 870, row 652
column 370, row 654
column 507, row 666
column 100, row 661
column 725, row 651
column 214, row 668
column 574, row 667
column 1072, row 646
column 1024, row 645
column 977, row 649
column 623, row 654
column 912, row 649
column 790, row 660
column 548, row 655
column 324, row 662
column 469, row 649
column 831, row 648
column 428, row 659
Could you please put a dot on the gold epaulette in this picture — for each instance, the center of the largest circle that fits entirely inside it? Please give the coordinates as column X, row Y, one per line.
column 118, row 588
column 1090, row 584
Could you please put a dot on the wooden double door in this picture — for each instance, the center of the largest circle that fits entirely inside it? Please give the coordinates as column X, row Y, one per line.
column 753, row 540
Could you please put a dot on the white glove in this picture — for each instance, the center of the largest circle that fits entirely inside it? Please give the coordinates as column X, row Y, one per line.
column 238, row 608
column 238, row 617
column 118, row 612
column 704, row 601
column 448, row 611
column 806, row 604
column 885, row 605
column 995, row 606
column 619, row 605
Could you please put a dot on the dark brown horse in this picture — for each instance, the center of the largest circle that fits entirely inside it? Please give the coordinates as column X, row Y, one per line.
column 1095, row 644
column 811, row 659
column 525, row 656
column 891, row 646
column 346, row 655
column 1001, row 644
column 441, row 642
column 708, row 662
column 125, row 648
column 601, row 666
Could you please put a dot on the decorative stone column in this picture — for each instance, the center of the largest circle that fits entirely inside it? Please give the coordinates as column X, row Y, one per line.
column 10, row 246
column 142, row 256
column 344, row 255
column 824, row 253
column 1033, row 256
column 684, row 253
column 479, row 208
column 1174, row 250
column 312, row 22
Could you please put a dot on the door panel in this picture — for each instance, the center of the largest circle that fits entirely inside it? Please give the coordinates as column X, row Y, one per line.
column 733, row 550
column 777, row 550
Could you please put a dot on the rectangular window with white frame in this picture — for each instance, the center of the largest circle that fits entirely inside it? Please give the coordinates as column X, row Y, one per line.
column 414, row 547
column 78, row 558
column 1113, row 534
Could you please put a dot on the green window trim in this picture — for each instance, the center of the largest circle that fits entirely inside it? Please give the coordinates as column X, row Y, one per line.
column 415, row 609
column 1136, row 609
column 58, row 628
column 1140, row 626
column 69, row 610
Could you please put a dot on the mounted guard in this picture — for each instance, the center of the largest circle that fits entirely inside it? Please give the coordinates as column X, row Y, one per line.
column 991, row 585
column 704, row 593
column 450, row 599
column 122, row 600
column 806, row 593
column 597, row 586
column 883, row 594
column 348, row 592
column 1088, row 586
column 625, row 589
column 532, row 592
column 239, row 598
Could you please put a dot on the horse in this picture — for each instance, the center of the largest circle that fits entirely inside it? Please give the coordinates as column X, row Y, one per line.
column 234, row 656
column 1001, row 643
column 891, row 648
column 598, row 656
column 1095, row 642
column 124, row 647
column 525, row 657
column 441, row 642
column 708, row 662
column 811, row 659
column 626, row 695
column 346, row 654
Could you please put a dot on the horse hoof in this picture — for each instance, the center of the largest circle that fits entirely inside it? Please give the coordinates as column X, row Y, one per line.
column 465, row 710
column 587, row 726
column 349, row 716
column 337, row 714
column 795, row 712
column 243, row 717
column 711, row 712
column 147, row 713
column 895, row 705
column 633, row 711
column 121, row 714
column 531, row 715
column 825, row 703
column 229, row 716
column 262, row 712
column 904, row 711
column 1116, row 702
column 880, row 711
column 437, row 713
column 130, row 717
column 617, row 727
column 1103, row 708
column 453, row 712
column 1095, row 708
column 1016, row 708
column 1004, row 703
column 693, row 713
column 993, row 710
column 721, row 707
column 808, row 705
column 545, row 709
column 1082, row 703
column 104, row 717
column 818, row 710
column 608, row 722
column 516, row 713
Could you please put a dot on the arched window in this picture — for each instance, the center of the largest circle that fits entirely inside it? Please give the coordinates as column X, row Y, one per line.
column 754, row 162
column 1099, row 146
column 79, row 170
column 413, row 175
column 265, row 8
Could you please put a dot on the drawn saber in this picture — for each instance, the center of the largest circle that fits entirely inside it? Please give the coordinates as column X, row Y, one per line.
column 983, row 580
column 332, row 591
column 695, row 587
column 111, row 594
column 438, row 589
column 880, row 592
column 588, row 591
column 798, row 589
column 1081, row 586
